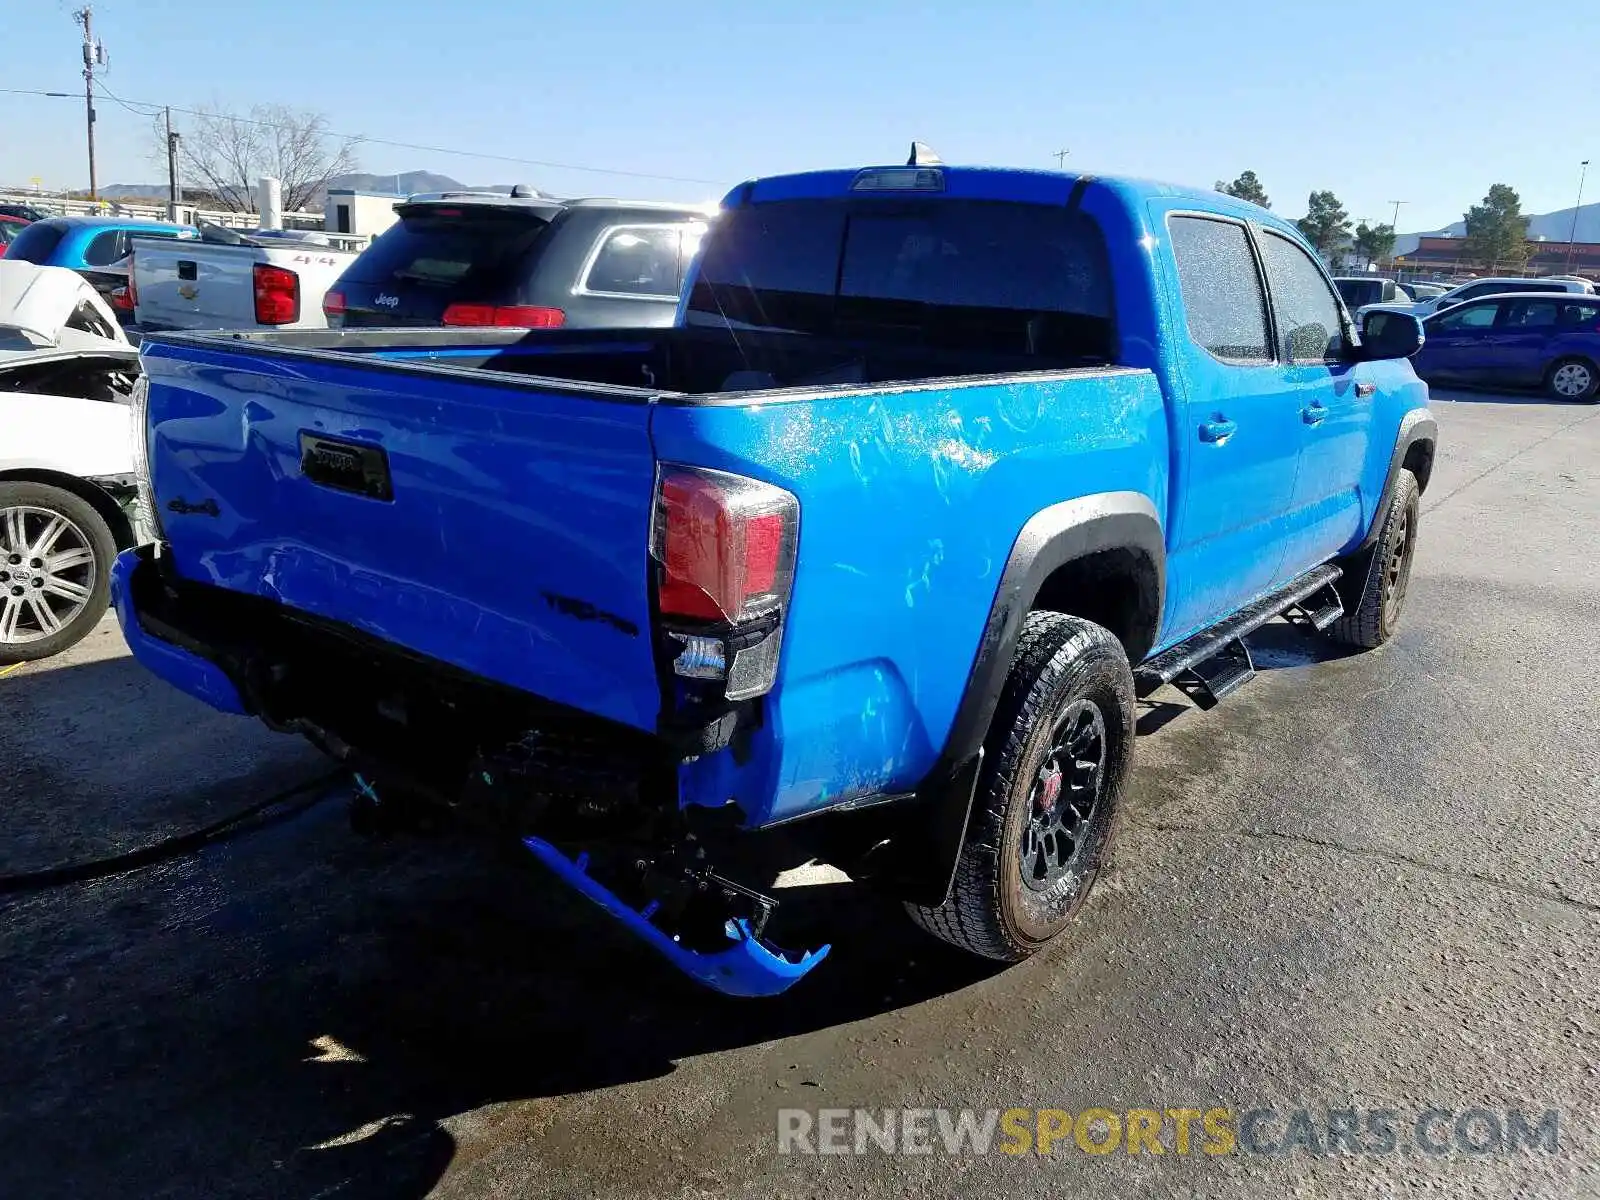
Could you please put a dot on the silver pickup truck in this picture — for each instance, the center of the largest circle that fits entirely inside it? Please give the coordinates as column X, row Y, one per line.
column 259, row 279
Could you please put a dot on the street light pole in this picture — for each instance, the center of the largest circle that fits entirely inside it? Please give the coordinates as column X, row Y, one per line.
column 1572, row 238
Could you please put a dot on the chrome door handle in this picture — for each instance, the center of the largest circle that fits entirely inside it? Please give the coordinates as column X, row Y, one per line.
column 1218, row 431
column 1315, row 414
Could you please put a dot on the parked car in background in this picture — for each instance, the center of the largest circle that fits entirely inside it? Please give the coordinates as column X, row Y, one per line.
column 1426, row 291
column 9, row 228
column 1361, row 290
column 68, row 495
column 521, row 260
column 95, row 247
column 1503, row 285
column 234, row 279
column 1549, row 340
column 26, row 212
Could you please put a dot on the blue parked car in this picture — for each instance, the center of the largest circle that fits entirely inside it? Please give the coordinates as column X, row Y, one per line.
column 938, row 469
column 92, row 246
column 1547, row 340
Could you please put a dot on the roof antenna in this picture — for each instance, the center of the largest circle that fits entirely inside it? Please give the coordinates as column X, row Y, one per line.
column 922, row 155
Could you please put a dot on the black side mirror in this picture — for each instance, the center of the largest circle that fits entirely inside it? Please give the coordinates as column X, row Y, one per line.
column 1390, row 335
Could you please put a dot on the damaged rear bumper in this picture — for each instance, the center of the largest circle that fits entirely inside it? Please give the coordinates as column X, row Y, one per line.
column 175, row 630
column 184, row 670
column 747, row 967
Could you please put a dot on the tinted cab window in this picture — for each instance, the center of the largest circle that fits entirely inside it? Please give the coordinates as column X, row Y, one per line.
column 963, row 275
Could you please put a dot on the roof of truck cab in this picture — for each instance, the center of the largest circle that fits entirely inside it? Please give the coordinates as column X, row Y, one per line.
column 1001, row 183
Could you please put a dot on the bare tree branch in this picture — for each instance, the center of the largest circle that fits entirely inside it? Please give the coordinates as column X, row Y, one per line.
column 226, row 154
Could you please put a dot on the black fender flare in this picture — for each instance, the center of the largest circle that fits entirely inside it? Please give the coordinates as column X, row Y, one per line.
column 1053, row 538
column 929, row 840
column 1417, row 428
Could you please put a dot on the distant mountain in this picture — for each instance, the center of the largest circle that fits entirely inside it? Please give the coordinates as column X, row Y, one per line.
column 1554, row 227
column 406, row 183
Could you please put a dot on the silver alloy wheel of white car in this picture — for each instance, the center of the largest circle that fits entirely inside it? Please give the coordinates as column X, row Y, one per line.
column 47, row 573
column 1572, row 380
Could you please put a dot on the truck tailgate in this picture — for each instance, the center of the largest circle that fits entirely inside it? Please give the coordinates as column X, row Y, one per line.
column 496, row 525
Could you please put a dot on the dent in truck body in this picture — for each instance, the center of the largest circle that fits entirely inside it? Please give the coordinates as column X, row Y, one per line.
column 865, row 704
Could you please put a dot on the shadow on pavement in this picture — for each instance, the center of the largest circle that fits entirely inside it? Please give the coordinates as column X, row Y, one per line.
column 101, row 757
column 296, row 1012
column 293, row 1013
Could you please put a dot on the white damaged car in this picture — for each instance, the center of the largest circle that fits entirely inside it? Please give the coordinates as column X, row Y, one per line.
column 68, row 493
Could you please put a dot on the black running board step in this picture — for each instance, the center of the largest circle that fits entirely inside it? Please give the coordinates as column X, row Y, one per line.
column 1318, row 610
column 1225, row 672
column 1171, row 663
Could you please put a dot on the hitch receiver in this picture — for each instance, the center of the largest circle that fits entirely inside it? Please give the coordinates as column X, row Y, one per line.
column 747, row 967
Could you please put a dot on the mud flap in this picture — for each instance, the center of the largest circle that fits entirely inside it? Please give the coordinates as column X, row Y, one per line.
column 748, row 967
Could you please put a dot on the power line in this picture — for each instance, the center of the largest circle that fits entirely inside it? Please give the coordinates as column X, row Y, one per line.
column 134, row 106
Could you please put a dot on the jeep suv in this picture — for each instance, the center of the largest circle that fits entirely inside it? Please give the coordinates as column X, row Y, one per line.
column 527, row 261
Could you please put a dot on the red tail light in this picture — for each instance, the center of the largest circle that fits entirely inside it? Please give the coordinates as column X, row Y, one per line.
column 333, row 306
column 120, row 300
column 726, row 550
column 506, row 316
column 133, row 287
column 277, row 295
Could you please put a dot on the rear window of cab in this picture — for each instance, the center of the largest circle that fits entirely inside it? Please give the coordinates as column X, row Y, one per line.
column 979, row 274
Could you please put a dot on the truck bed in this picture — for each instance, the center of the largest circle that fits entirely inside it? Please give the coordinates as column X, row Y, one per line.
column 671, row 364
column 483, row 501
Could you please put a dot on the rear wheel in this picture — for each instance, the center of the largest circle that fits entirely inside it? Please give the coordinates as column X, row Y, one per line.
column 1057, row 757
column 1371, row 617
column 55, row 570
column 1573, row 379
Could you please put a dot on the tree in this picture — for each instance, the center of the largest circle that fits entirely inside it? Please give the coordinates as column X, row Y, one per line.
column 1497, row 232
column 1326, row 224
column 1373, row 243
column 226, row 154
column 1246, row 187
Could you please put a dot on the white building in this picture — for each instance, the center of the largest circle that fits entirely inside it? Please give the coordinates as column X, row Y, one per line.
column 367, row 213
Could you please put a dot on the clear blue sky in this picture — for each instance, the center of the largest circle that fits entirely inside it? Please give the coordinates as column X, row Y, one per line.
column 1375, row 99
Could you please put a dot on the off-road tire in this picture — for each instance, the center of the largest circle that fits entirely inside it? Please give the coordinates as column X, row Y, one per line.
column 99, row 541
column 1374, row 616
column 1059, row 661
column 1587, row 393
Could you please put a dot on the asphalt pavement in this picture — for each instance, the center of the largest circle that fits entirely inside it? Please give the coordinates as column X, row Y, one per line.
column 1364, row 882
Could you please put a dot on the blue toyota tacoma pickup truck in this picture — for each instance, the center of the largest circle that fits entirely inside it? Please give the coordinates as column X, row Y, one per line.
column 938, row 470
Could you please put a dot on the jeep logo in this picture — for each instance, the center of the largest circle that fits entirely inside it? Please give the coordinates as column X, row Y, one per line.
column 383, row 301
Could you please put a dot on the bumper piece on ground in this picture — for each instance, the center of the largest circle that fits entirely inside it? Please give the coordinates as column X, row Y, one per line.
column 185, row 671
column 748, row 967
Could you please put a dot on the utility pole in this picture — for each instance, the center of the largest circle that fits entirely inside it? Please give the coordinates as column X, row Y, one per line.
column 1572, row 239
column 174, row 192
column 1061, row 158
column 94, row 55
column 1395, row 224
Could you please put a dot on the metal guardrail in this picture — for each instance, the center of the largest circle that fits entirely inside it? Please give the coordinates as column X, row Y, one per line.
column 67, row 206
